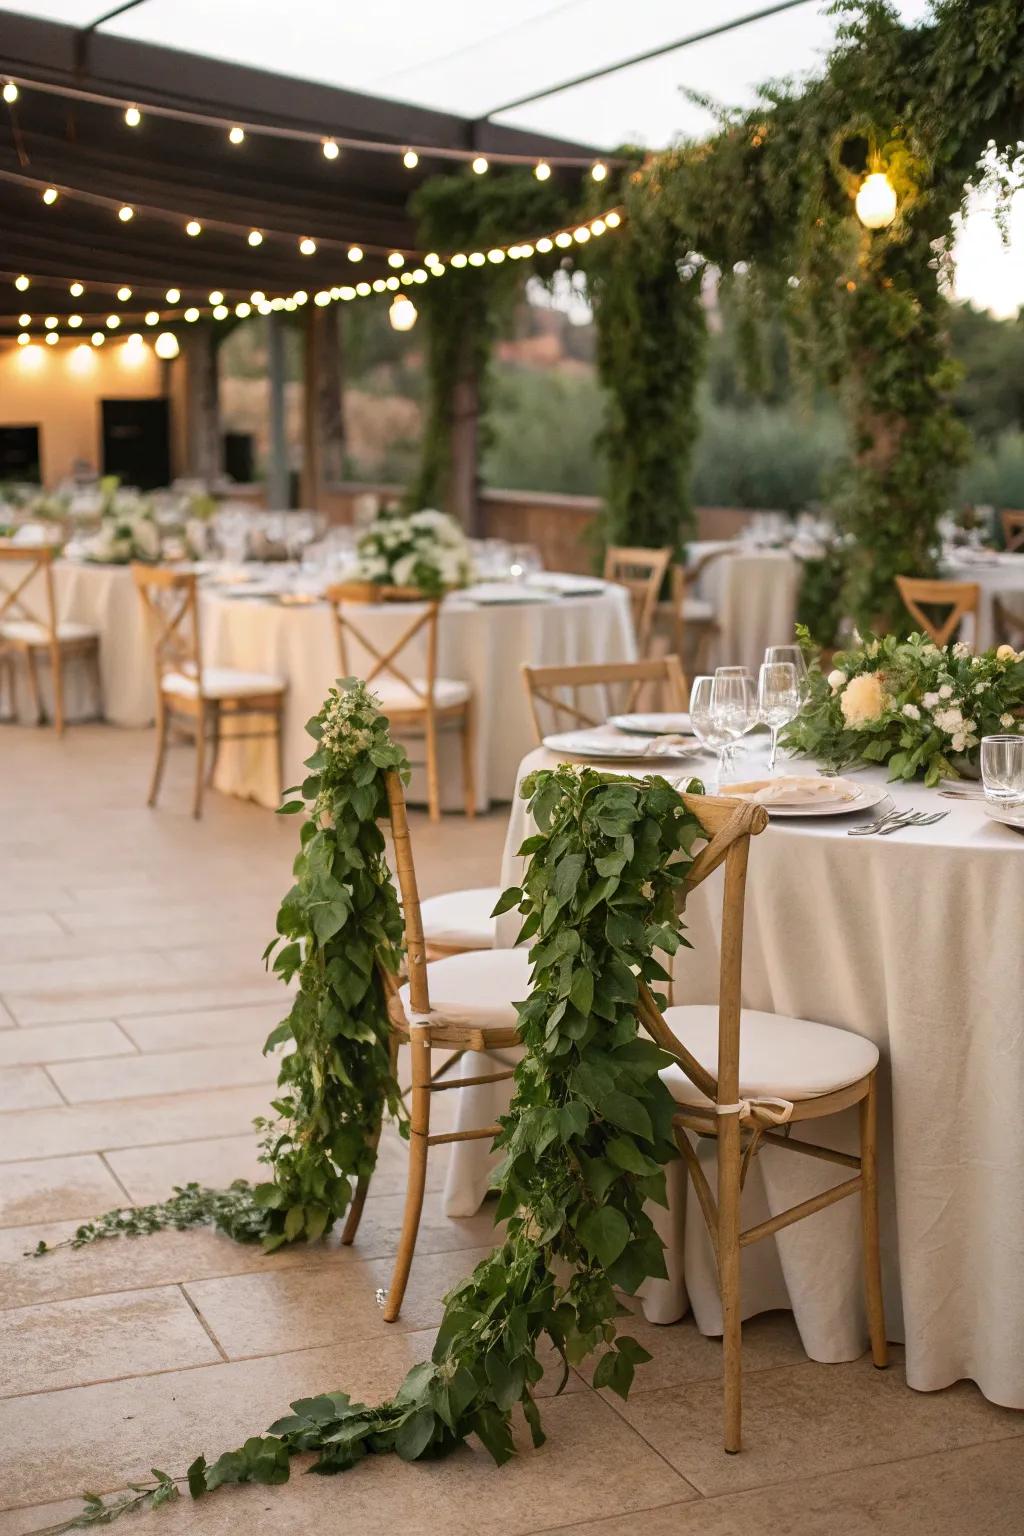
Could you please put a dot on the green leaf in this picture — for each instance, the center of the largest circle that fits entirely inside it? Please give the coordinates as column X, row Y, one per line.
column 604, row 1233
column 627, row 1113
column 581, row 993
column 415, row 1433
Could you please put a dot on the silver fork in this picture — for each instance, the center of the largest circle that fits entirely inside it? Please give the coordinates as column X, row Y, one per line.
column 894, row 816
column 916, row 819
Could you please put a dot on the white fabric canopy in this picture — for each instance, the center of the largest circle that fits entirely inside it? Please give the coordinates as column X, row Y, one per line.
column 911, row 941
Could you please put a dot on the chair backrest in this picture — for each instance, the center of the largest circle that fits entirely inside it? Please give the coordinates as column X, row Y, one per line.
column 1008, row 624
column 1013, row 530
column 586, row 695
column 641, row 572
column 383, row 664
column 170, row 602
column 959, row 597
column 30, row 561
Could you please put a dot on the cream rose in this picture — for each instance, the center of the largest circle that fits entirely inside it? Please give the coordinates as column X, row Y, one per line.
column 862, row 699
column 1006, row 653
column 836, row 680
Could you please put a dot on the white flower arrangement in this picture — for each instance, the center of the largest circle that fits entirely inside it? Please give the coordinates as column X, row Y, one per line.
column 425, row 549
column 128, row 529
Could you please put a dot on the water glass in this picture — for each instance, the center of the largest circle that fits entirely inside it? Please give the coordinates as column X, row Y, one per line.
column 794, row 655
column 733, row 702
column 525, row 562
column 1002, row 769
column 778, row 699
column 708, row 733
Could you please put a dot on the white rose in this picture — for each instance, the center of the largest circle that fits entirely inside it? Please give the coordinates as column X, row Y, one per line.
column 959, row 743
column 961, row 649
column 1006, row 721
column 930, row 700
column 1006, row 653
column 949, row 720
column 946, row 691
column 836, row 680
column 911, row 711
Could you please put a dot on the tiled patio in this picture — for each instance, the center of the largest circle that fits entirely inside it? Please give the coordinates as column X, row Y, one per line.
column 132, row 1011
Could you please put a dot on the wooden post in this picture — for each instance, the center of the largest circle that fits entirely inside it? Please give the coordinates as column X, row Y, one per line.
column 464, row 483
column 277, row 458
column 202, row 403
column 323, row 420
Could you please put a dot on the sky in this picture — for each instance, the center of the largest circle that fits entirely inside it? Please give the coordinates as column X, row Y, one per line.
column 471, row 58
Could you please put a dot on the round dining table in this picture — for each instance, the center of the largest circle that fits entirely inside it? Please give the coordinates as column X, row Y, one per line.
column 913, row 941
column 998, row 575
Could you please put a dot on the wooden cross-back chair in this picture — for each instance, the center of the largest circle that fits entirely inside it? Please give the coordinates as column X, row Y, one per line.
column 1013, row 530
column 567, row 691
column 1008, row 624
column 959, row 597
column 30, row 629
column 746, row 1077
column 194, row 701
column 416, row 703
column 641, row 572
column 692, row 620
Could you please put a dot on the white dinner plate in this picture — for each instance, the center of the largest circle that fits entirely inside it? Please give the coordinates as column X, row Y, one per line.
column 606, row 748
column 496, row 594
column 867, row 795
column 1009, row 815
column 658, row 724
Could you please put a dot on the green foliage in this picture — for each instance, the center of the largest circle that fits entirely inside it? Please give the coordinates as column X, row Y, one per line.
column 996, row 478
column 585, row 1143
column 919, row 709
column 232, row 1211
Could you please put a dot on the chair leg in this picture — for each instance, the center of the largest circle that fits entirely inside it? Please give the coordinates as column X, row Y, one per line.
column 214, row 742
column 98, row 680
column 57, row 681
column 433, row 777
column 33, row 683
column 197, row 795
column 729, row 1274
column 161, row 755
column 469, row 759
column 419, row 1130
column 869, row 1224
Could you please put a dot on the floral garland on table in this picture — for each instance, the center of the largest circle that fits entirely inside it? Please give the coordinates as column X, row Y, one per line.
column 586, row 1140
column 919, row 708
column 425, row 549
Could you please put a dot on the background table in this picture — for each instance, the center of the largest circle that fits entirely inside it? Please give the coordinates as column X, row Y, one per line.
column 484, row 646
column 754, row 593
column 913, row 941
column 1003, row 578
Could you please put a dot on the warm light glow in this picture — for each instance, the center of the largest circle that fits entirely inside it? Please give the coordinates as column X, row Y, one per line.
column 152, row 317
column 113, row 321
column 396, row 259
column 391, row 284
column 459, row 259
column 599, row 171
column 355, row 253
column 216, row 297
column 31, row 358
column 82, row 359
column 50, row 196
column 126, row 213
column 403, row 313
column 477, row 258
column 243, row 309
column 124, row 294
column 98, row 338
column 307, row 246
column 166, row 346
column 265, row 308
column 236, row 136
column 10, row 93
column 259, row 297
column 410, row 159
column 133, row 353
column 612, row 220
column 876, row 201
column 419, row 276
column 497, row 256
column 346, row 293
column 542, row 170
column 132, row 116
column 322, row 298
column 193, row 228
column 480, row 165
column 24, row 319
column 331, row 150
column 52, row 339
column 581, row 235
column 598, row 227
column 380, row 286
column 363, row 290
column 562, row 239
column 544, row 245
column 300, row 296
column 51, row 322
column 24, row 339
column 191, row 315
column 290, row 305
column 76, row 290
column 255, row 238
column 221, row 312
column 524, row 251
column 74, row 321
column 21, row 283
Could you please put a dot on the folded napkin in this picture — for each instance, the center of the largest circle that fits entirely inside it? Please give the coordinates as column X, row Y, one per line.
column 792, row 790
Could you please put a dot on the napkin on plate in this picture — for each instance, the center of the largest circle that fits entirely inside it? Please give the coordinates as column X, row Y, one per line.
column 790, row 789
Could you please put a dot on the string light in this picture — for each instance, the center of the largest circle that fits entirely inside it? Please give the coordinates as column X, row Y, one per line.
column 480, row 165
column 544, row 244
column 113, row 321
column 50, row 196
column 236, row 135
column 581, row 235
column 132, row 116
column 307, row 246
column 193, row 228
column 172, row 295
column 403, row 313
column 330, row 149
column 10, row 93
column 166, row 345
column 24, row 319
column 301, row 296
column 396, row 259
column 613, row 220
column 477, row 258
column 242, row 310
column 876, row 201
column 599, row 171
column 74, row 321
column 24, row 339
column 355, row 253
column 51, row 322
column 259, row 297
column 98, row 338
column 51, row 340
column 152, row 317
column 497, row 256
column 255, row 238
column 21, row 283
column 410, row 159
column 76, row 290
column 126, row 213
column 220, row 312
column 124, row 294
column 192, row 315
column 459, row 259
column 542, row 170
column 563, row 239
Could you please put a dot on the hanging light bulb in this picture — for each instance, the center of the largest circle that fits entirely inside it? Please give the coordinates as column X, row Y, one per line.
column 258, row 297
column 10, row 93
column 613, row 220
column 126, row 213
column 52, row 339
column 74, row 321
column 598, row 170
column 172, row 295
column 355, row 253
column 113, row 321
column 166, row 346
column 98, row 338
column 307, row 246
column 124, row 294
column 403, row 313
column 542, row 170
column 300, row 296
column 132, row 116
column 563, row 239
column 220, row 312
column 216, row 297
column 236, row 136
column 24, row 339
column 243, row 309
column 497, row 255
column 255, row 237
column 76, row 290
column 544, row 245
column 21, row 283
column 330, row 149
column 193, row 228
column 50, row 322
column 480, row 165
column 581, row 235
column 50, row 196
column 24, row 319
column 876, row 201
column 152, row 317
column 396, row 259
column 191, row 315
column 410, row 159
column 459, row 259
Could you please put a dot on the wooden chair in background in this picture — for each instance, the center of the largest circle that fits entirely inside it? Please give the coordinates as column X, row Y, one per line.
column 194, row 701
column 1013, row 530
column 415, row 705
column 560, row 690
column 642, row 573
column 1008, row 624
column 743, row 1073
column 692, row 620
column 31, row 631
column 959, row 597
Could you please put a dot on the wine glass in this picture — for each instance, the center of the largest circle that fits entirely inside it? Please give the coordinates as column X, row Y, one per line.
column 710, row 735
column 1002, row 769
column 778, row 700
column 733, row 703
column 792, row 654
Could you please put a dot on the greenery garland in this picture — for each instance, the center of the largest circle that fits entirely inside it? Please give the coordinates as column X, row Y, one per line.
column 586, row 1139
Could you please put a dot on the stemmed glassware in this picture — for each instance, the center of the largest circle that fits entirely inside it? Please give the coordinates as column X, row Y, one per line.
column 792, row 654
column 778, row 699
column 702, row 723
column 733, row 703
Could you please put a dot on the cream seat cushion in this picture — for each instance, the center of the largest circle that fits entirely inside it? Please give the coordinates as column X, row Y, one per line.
column 222, row 683
column 28, row 632
column 478, row 988
column 395, row 695
column 461, row 919
column 780, row 1058
column 697, row 610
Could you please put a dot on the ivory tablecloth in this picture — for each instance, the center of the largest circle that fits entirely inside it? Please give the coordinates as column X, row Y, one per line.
column 912, row 940
column 484, row 646
column 754, row 593
column 1003, row 578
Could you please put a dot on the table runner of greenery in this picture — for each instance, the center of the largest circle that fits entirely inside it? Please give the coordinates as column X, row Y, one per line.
column 586, row 1137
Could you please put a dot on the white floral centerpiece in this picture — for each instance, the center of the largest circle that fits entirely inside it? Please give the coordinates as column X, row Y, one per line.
column 128, row 528
column 426, row 550
column 920, row 708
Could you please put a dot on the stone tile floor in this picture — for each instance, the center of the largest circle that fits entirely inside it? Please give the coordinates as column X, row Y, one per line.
column 132, row 1011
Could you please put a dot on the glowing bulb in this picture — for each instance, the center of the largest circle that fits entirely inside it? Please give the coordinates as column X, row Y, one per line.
column 52, row 339
column 563, row 239
column 396, row 259
column 598, row 227
column 172, row 295
column 236, row 136
column 10, row 93
column 24, row 339
column 98, row 338
column 243, row 309
column 544, row 245
column 419, row 276
column 346, row 293
column 166, row 345
column 21, row 283
column 542, row 170
column 363, row 290
column 599, row 171
column 50, row 196
column 410, row 159
column 477, row 258
column 330, row 149
column 221, row 312
column 612, row 219
column 191, row 315
column 255, row 238
column 876, row 201
column 480, row 165
column 193, row 228
column 459, row 259
column 152, row 317
column 76, row 290
column 24, row 319
column 581, row 235
column 259, row 297
column 132, row 116
column 355, row 253
column 126, row 213
column 74, row 321
column 113, row 321
column 291, row 306
column 264, row 308
column 50, row 322
column 300, row 296
column 379, row 285
column 321, row 298
column 403, row 313
column 391, row 284
column 524, row 251
column 496, row 256
column 307, row 246
column 124, row 294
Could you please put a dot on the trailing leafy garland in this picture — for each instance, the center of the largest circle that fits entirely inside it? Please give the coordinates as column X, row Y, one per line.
column 585, row 1140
